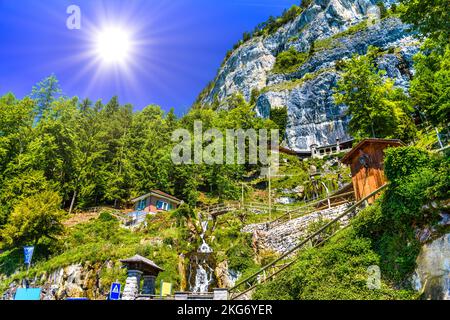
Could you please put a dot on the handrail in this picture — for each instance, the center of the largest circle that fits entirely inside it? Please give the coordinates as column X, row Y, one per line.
column 262, row 206
column 310, row 204
column 302, row 243
column 283, row 267
column 441, row 149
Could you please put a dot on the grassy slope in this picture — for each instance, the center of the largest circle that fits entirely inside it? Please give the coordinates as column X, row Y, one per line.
column 382, row 235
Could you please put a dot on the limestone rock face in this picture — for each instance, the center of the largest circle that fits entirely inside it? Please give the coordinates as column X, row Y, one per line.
column 432, row 276
column 223, row 275
column 313, row 117
column 74, row 281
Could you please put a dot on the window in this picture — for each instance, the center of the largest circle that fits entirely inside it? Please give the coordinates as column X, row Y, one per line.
column 141, row 205
column 161, row 205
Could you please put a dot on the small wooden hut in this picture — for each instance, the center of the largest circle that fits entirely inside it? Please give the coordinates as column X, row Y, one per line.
column 366, row 161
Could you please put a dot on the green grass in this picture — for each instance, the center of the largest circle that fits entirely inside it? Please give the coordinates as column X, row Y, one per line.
column 333, row 41
column 336, row 271
column 91, row 243
column 292, row 84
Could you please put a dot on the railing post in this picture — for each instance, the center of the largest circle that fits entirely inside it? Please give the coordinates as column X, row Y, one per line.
column 181, row 296
column 220, row 294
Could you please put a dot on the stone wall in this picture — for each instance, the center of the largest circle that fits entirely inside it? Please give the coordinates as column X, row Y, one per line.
column 285, row 236
column 75, row 281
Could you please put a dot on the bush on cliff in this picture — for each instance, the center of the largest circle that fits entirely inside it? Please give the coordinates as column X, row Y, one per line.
column 289, row 61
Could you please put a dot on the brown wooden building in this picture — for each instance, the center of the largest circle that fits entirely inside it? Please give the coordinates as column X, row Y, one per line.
column 366, row 161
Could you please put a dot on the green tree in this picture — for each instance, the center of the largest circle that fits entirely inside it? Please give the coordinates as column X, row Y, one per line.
column 305, row 3
column 183, row 214
column 16, row 121
column 44, row 93
column 430, row 88
column 34, row 218
column 280, row 117
column 430, row 17
column 18, row 186
column 89, row 151
column 376, row 108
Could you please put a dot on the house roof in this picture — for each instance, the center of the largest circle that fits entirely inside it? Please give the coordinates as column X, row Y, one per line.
column 347, row 159
column 139, row 259
column 158, row 193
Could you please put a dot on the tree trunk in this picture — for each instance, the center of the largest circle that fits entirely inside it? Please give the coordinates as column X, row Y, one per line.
column 72, row 202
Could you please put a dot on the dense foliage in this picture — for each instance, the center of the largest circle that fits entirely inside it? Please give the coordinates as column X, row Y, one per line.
column 430, row 17
column 289, row 61
column 99, row 153
column 376, row 107
column 280, row 117
column 338, row 271
column 430, row 87
column 33, row 218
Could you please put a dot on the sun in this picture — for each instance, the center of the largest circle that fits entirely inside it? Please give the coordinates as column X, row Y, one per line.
column 113, row 45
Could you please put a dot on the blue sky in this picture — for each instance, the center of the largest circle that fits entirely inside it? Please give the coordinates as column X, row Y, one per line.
column 178, row 46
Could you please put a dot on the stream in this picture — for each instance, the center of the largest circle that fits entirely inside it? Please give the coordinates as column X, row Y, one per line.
column 202, row 264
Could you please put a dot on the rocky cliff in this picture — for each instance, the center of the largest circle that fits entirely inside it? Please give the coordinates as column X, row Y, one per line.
column 328, row 31
column 432, row 276
column 88, row 280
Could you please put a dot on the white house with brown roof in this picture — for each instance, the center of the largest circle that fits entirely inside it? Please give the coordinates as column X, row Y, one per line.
column 153, row 202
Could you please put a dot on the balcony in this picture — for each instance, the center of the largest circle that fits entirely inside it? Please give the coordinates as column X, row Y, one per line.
column 136, row 218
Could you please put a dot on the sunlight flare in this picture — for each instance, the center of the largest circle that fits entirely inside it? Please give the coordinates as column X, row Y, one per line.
column 113, row 45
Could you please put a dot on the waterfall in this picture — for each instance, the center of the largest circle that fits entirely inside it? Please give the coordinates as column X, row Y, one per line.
column 204, row 273
column 204, row 248
column 203, row 279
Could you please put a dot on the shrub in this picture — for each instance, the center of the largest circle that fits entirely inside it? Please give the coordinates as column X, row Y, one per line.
column 289, row 61
column 240, row 258
column 106, row 216
column 404, row 161
column 315, row 226
column 383, row 10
